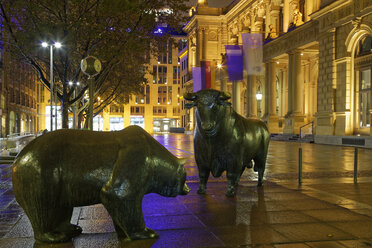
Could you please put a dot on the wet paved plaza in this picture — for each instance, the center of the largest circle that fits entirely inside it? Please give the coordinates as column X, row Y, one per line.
column 327, row 211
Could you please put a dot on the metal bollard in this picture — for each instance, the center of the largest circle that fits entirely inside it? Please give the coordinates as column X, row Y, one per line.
column 356, row 165
column 299, row 166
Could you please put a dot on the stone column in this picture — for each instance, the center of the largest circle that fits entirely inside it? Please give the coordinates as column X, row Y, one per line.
column 295, row 116
column 247, row 108
column 272, row 87
column 298, row 79
column 251, row 96
column 193, row 57
column 275, row 10
column 199, row 46
column 284, row 101
column 258, row 24
column 204, row 44
column 273, row 118
column 290, row 83
column 268, row 17
column 223, row 83
column 288, row 125
column 236, row 96
column 286, row 15
column 266, row 93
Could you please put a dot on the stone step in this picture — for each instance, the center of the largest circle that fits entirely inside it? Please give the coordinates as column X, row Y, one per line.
column 9, row 157
column 308, row 138
column 6, row 161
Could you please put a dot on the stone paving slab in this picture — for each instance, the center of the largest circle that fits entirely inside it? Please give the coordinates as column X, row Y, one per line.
column 327, row 210
column 214, row 220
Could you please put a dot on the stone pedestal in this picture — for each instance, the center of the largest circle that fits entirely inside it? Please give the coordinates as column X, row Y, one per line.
column 324, row 123
column 343, row 126
column 273, row 124
column 293, row 123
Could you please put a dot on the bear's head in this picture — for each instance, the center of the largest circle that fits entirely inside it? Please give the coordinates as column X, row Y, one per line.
column 171, row 179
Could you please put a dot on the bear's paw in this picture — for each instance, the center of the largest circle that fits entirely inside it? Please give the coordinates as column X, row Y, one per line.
column 147, row 233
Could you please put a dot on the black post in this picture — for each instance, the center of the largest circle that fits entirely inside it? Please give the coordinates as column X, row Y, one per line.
column 356, row 165
column 299, row 166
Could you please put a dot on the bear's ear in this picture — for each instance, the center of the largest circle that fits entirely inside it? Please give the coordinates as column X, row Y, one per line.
column 182, row 161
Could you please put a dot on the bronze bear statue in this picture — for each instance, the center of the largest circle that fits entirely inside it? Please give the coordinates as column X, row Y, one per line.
column 225, row 140
column 69, row 168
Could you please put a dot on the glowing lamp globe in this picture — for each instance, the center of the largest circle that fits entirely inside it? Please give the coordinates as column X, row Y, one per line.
column 91, row 66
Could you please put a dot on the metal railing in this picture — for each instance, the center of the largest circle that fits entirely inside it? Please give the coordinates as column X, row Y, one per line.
column 312, row 128
column 19, row 134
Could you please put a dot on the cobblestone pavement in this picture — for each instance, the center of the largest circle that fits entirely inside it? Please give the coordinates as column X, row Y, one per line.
column 327, row 210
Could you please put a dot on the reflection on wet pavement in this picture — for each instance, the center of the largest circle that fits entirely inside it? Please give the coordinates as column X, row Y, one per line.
column 327, row 211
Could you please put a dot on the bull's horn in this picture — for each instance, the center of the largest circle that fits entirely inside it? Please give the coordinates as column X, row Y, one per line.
column 182, row 161
column 189, row 96
column 224, row 96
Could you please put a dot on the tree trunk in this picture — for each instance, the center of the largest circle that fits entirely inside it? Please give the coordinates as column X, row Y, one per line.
column 65, row 105
column 80, row 119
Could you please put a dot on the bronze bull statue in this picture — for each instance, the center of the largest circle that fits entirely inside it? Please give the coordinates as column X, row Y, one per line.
column 224, row 140
column 69, row 168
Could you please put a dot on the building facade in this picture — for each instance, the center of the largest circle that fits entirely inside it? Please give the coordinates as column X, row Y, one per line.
column 18, row 98
column 159, row 106
column 156, row 109
column 316, row 56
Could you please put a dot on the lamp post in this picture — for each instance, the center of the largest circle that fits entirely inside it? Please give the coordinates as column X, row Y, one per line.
column 56, row 45
column 91, row 66
column 221, row 77
column 74, row 107
column 259, row 98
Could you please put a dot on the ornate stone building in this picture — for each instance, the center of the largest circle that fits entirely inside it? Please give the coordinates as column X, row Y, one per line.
column 317, row 59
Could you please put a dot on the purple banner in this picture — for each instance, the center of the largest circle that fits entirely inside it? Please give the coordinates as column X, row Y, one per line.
column 252, row 48
column 234, row 61
column 197, row 79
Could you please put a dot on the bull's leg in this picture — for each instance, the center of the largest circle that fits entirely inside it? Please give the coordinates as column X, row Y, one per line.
column 249, row 165
column 260, row 164
column 233, row 179
column 203, row 177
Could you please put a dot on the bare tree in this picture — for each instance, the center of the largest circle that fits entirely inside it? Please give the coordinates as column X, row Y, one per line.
column 119, row 33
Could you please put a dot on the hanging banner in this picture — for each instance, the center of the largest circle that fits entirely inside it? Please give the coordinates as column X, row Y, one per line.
column 252, row 48
column 203, row 76
column 206, row 73
column 197, row 79
column 234, row 62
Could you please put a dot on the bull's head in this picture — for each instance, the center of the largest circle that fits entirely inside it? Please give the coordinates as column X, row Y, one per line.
column 211, row 107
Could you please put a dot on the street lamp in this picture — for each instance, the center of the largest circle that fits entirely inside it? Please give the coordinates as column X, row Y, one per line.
column 259, row 94
column 221, row 77
column 56, row 45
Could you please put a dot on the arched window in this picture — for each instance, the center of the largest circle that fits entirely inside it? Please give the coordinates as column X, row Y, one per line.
column 363, row 75
column 365, row 46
